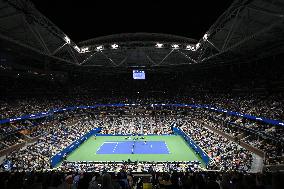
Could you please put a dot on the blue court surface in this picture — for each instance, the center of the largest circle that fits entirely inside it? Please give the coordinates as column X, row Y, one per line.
column 133, row 147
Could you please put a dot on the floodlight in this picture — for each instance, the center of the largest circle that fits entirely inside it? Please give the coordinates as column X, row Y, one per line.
column 197, row 46
column 99, row 48
column 175, row 46
column 114, row 46
column 67, row 40
column 84, row 50
column 205, row 37
column 190, row 47
column 77, row 48
column 159, row 45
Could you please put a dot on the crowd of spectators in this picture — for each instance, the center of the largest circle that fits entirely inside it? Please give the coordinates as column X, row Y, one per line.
column 3, row 146
column 264, row 105
column 267, row 138
column 129, row 180
column 5, row 130
column 136, row 125
column 11, row 140
column 226, row 155
column 138, row 167
column 54, row 138
column 273, row 150
column 56, row 133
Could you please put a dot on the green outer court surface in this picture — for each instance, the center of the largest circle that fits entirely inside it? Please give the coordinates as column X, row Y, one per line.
column 179, row 150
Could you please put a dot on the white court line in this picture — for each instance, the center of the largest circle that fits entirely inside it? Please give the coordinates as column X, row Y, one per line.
column 115, row 147
column 114, row 142
column 100, row 147
column 167, row 147
column 108, row 143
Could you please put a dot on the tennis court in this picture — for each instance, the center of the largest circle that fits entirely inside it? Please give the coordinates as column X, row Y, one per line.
column 117, row 148
column 133, row 147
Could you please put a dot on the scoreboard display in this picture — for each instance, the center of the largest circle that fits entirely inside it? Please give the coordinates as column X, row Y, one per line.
column 138, row 74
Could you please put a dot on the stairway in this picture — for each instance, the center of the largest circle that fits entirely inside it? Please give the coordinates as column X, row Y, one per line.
column 257, row 164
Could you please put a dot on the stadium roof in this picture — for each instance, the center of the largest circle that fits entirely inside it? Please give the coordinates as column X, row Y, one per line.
column 139, row 37
column 248, row 30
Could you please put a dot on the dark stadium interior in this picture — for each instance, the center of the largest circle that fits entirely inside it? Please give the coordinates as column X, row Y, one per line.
column 72, row 80
column 131, row 17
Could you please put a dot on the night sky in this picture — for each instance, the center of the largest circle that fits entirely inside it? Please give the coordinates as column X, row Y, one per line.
column 82, row 20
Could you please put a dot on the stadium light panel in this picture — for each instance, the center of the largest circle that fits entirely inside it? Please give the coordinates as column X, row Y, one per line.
column 77, row 48
column 159, row 45
column 84, row 50
column 205, row 37
column 114, row 46
column 99, row 48
column 67, row 40
column 196, row 47
column 190, row 47
column 175, row 46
